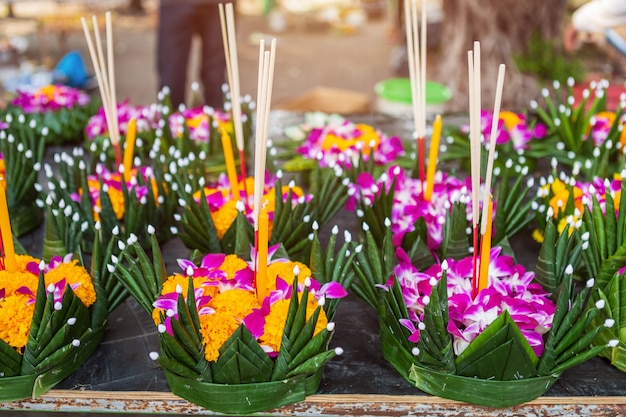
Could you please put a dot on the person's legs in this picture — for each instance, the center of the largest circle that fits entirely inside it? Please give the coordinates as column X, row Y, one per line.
column 213, row 62
column 175, row 32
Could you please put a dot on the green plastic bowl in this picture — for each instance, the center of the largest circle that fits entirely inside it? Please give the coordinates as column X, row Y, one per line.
column 398, row 90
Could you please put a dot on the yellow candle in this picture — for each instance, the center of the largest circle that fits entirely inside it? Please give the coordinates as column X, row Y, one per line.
column 5, row 231
column 432, row 158
column 231, row 169
column 129, row 147
column 485, row 248
column 261, row 254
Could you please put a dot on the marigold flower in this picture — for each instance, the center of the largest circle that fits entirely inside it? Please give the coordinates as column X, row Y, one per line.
column 19, row 289
column 275, row 322
column 216, row 328
column 16, row 314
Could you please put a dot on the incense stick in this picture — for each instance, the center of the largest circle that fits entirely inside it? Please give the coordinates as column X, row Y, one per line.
column 106, row 80
column 475, row 161
column 265, row 80
column 112, row 85
column 492, row 140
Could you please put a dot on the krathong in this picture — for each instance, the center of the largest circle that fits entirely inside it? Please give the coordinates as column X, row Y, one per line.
column 565, row 198
column 511, row 288
column 226, row 218
column 516, row 137
column 63, row 110
column 52, row 315
column 280, row 342
column 582, row 133
column 50, row 98
column 223, row 204
column 506, row 346
column 123, row 201
column 21, row 154
column 331, row 140
column 477, row 328
column 409, row 202
column 592, row 212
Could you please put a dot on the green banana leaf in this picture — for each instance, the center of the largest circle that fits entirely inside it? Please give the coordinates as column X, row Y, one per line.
column 614, row 297
column 244, row 399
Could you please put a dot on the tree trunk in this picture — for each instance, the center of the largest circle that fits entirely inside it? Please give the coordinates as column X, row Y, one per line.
column 504, row 29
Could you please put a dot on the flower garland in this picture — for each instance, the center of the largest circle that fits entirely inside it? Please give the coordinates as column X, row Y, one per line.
column 224, row 207
column 510, row 288
column 333, row 140
column 18, row 291
column 225, row 298
column 50, row 98
column 409, row 203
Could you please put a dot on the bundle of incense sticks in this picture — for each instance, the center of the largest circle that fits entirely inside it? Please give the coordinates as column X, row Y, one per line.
column 260, row 216
column 480, row 276
column 105, row 75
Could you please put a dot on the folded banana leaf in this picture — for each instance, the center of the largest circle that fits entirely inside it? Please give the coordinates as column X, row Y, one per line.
column 244, row 399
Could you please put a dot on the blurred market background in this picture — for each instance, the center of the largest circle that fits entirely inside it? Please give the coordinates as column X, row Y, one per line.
column 331, row 53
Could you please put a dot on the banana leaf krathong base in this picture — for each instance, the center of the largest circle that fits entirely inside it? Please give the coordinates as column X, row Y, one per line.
column 489, row 393
column 244, row 398
column 34, row 385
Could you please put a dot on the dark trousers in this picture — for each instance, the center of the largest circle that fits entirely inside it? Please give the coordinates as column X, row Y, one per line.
column 177, row 26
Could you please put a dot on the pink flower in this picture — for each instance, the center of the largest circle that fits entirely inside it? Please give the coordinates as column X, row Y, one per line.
column 340, row 142
column 510, row 288
column 409, row 203
column 50, row 98
column 512, row 127
column 146, row 118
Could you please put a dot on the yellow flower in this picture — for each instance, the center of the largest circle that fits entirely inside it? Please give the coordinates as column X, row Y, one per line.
column 285, row 271
column 48, row 91
column 561, row 195
column 116, row 196
column 275, row 322
column 224, row 217
column 232, row 264
column 74, row 274
column 231, row 307
column 566, row 222
column 16, row 315
column 367, row 138
column 11, row 281
column 510, row 119
column 216, row 328
column 537, row 235
column 237, row 302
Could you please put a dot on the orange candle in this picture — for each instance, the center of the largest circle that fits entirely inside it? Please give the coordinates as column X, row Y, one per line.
column 129, row 147
column 485, row 248
column 261, row 254
column 231, row 169
column 432, row 158
column 5, row 230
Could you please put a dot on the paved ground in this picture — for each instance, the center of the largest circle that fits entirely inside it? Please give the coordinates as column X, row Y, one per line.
column 309, row 54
